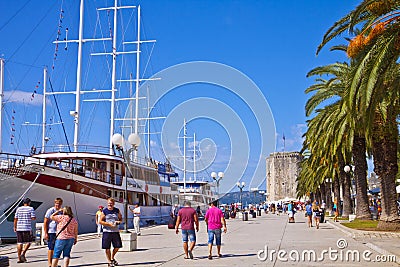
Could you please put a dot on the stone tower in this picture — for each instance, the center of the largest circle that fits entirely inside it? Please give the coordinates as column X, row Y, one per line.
column 282, row 171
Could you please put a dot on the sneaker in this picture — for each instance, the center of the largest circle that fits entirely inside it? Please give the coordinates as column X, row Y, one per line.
column 114, row 262
column 190, row 254
column 110, row 264
column 209, row 257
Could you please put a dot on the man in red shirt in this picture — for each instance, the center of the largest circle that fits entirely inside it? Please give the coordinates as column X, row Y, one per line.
column 187, row 217
column 215, row 221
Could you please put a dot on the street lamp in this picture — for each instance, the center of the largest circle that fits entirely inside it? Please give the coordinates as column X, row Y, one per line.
column 217, row 179
column 241, row 186
column 347, row 170
column 134, row 141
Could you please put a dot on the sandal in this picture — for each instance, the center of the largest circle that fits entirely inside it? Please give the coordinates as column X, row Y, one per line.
column 220, row 255
column 114, row 262
column 190, row 254
column 209, row 257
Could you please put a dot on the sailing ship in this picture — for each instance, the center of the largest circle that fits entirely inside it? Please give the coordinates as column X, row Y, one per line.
column 85, row 176
column 198, row 191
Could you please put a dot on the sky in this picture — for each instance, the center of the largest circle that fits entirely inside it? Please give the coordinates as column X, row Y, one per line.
column 235, row 70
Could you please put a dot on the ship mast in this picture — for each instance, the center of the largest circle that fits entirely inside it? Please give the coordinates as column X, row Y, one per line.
column 1, row 100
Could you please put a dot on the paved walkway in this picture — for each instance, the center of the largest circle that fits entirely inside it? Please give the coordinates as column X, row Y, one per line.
column 247, row 243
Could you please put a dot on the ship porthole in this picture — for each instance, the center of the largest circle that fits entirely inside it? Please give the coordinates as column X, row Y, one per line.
column 82, row 190
column 90, row 191
column 68, row 187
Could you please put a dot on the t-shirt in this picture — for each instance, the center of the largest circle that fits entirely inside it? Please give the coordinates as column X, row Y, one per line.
column 187, row 218
column 136, row 212
column 213, row 217
column 71, row 229
column 309, row 209
column 24, row 214
column 111, row 216
column 52, row 227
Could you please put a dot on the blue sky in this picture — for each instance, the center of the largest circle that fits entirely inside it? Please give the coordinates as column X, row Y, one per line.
column 272, row 43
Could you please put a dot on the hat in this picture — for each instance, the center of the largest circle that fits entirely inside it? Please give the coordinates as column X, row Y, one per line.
column 136, row 203
column 27, row 200
column 101, row 207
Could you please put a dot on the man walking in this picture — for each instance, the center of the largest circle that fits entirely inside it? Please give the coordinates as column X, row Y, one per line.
column 110, row 219
column 187, row 217
column 215, row 221
column 23, row 227
column 50, row 228
column 136, row 218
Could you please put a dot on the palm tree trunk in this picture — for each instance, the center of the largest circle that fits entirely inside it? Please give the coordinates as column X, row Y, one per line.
column 345, row 179
column 384, row 146
column 336, row 192
column 328, row 196
column 360, row 176
column 323, row 192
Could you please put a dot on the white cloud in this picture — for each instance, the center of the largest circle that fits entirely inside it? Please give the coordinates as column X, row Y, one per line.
column 22, row 97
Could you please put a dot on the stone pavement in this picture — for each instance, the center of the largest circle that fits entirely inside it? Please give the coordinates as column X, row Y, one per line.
column 247, row 243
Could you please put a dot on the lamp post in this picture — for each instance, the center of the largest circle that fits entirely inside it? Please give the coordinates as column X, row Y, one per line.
column 241, row 186
column 217, row 179
column 118, row 141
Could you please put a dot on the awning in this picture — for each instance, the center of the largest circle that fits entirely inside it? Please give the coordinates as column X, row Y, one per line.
column 375, row 191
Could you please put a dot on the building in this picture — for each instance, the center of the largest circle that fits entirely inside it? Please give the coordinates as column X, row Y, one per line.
column 282, row 171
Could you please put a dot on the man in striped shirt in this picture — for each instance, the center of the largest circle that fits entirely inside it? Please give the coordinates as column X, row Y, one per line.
column 23, row 227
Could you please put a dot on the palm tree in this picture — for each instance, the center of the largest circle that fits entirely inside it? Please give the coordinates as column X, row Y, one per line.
column 336, row 87
column 373, row 91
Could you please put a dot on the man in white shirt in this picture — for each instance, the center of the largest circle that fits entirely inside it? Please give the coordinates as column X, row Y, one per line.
column 23, row 227
column 136, row 218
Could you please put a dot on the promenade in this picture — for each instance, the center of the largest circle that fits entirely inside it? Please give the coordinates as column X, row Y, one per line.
column 247, row 243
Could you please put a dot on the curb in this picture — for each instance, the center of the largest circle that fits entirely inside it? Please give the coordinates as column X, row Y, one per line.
column 372, row 246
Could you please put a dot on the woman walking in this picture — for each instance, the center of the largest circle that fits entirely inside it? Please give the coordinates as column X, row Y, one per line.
column 67, row 235
column 316, row 213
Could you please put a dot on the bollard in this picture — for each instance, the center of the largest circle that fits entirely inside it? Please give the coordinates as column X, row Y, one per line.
column 245, row 216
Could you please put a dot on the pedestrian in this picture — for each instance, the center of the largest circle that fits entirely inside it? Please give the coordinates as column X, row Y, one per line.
column 215, row 221
column 335, row 210
column 50, row 228
column 291, row 211
column 187, row 217
column 67, row 235
column 316, row 211
column 323, row 209
column 110, row 219
column 198, row 210
column 98, row 216
column 136, row 218
column 23, row 218
column 309, row 213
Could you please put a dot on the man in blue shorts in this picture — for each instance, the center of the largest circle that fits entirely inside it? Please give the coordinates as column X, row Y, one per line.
column 187, row 217
column 23, row 227
column 50, row 228
column 110, row 219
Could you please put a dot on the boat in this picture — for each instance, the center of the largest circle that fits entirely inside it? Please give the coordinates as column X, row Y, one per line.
column 199, row 191
column 85, row 176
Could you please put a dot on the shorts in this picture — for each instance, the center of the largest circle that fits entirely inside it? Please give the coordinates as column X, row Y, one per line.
column 51, row 241
column 111, row 238
column 217, row 234
column 24, row 237
column 64, row 246
column 188, row 234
